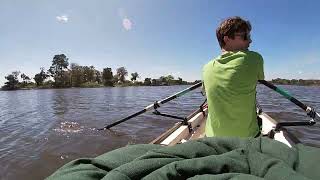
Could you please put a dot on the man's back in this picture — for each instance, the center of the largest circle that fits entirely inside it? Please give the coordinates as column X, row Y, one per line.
column 230, row 83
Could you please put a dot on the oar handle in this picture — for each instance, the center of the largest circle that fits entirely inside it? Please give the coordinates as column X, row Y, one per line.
column 310, row 111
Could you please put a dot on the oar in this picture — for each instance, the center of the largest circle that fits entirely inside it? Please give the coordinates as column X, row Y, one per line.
column 310, row 111
column 154, row 106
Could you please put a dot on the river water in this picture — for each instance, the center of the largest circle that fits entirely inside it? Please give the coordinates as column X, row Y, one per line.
column 40, row 130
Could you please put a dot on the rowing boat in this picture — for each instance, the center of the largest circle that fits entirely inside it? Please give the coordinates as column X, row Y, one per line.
column 194, row 129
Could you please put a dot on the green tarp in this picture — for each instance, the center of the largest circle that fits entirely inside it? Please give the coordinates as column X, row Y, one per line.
column 207, row 158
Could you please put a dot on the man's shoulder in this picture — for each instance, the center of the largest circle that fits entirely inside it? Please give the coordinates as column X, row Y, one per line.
column 254, row 54
column 209, row 63
column 237, row 54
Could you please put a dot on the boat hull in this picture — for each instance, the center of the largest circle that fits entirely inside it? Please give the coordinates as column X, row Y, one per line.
column 181, row 132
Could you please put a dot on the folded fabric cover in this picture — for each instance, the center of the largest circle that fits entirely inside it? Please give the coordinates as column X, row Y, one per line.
column 207, row 158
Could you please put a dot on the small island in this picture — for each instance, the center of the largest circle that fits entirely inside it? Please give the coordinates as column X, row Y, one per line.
column 61, row 75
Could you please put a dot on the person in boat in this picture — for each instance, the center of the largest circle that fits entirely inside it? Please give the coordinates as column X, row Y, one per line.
column 230, row 82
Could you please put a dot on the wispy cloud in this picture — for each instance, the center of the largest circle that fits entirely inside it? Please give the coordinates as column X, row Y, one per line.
column 62, row 18
column 127, row 24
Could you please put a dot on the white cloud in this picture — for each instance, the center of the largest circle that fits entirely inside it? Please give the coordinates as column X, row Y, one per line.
column 127, row 24
column 63, row 18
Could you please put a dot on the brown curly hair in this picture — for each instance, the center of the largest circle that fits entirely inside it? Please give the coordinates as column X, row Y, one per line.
column 230, row 26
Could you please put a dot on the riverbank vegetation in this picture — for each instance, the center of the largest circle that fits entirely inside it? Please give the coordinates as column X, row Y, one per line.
column 299, row 82
column 61, row 74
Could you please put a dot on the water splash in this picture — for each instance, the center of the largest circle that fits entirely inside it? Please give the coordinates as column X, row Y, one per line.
column 69, row 127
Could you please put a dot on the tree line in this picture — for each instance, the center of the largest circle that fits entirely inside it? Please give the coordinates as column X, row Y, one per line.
column 300, row 82
column 61, row 74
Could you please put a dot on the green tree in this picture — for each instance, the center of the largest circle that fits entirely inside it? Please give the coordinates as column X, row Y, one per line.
column 57, row 70
column 134, row 76
column 107, row 77
column 98, row 77
column 163, row 80
column 12, row 81
column 122, row 73
column 91, row 74
column 77, row 76
column 40, row 77
column 115, row 79
column 25, row 79
column 88, row 73
column 180, row 80
column 294, row 81
column 169, row 79
column 147, row 81
column 66, row 78
column 154, row 82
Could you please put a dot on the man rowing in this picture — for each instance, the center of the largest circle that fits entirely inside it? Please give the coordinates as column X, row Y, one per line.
column 230, row 82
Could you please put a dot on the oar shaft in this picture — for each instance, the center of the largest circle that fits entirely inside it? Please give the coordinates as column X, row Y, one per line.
column 154, row 106
column 285, row 94
column 180, row 93
column 123, row 120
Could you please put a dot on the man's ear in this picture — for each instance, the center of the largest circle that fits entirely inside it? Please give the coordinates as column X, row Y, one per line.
column 225, row 39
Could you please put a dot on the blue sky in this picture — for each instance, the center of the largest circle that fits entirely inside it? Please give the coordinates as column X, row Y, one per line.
column 156, row 38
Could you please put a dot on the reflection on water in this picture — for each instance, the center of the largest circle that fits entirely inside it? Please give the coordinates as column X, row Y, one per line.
column 43, row 129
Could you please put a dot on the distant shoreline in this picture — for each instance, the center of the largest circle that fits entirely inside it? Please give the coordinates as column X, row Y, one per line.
column 277, row 81
column 61, row 74
column 98, row 86
column 297, row 82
